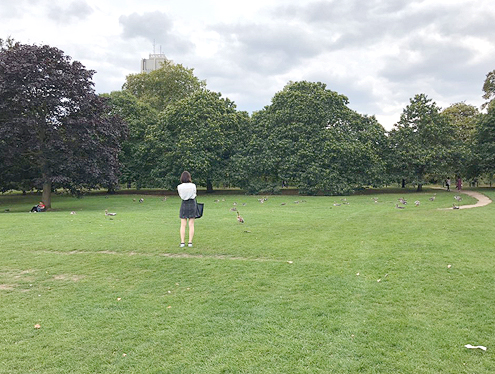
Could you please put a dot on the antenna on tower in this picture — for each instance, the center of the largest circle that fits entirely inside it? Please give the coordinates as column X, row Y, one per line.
column 153, row 46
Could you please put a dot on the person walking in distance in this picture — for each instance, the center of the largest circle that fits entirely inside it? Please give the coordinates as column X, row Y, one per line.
column 187, row 192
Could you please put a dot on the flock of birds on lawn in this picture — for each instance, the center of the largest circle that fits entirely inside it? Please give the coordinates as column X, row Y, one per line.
column 402, row 201
column 401, row 204
column 111, row 214
column 260, row 200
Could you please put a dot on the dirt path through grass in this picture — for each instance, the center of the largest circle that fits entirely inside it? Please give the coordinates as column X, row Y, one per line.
column 482, row 200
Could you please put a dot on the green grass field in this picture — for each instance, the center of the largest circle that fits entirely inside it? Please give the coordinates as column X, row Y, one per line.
column 304, row 287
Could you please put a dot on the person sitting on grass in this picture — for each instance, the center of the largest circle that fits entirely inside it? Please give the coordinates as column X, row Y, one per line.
column 39, row 208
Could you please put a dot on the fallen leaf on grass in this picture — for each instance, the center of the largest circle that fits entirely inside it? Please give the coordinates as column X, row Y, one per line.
column 170, row 306
column 290, row 262
column 37, row 326
column 449, row 266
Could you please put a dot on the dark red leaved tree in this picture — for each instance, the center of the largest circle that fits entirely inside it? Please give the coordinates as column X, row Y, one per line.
column 55, row 131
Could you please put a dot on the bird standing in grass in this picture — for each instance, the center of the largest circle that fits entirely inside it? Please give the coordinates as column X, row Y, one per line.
column 416, row 203
column 109, row 214
column 239, row 218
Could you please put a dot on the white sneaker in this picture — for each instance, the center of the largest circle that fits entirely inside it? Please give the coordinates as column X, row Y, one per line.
column 182, row 245
column 189, row 244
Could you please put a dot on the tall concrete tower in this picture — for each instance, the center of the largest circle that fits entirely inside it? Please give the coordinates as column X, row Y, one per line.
column 153, row 62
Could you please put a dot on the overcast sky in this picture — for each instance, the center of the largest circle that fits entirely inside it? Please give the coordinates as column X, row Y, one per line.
column 379, row 53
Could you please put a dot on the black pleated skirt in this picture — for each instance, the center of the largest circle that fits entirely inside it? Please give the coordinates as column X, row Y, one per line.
column 188, row 209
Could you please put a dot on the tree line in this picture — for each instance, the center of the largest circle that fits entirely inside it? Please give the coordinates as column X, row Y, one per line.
column 56, row 132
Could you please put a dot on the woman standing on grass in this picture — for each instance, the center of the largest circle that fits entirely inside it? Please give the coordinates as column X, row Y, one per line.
column 187, row 192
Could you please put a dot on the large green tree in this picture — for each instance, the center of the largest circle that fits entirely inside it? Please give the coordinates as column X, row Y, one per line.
column 465, row 119
column 206, row 132
column 139, row 153
column 422, row 142
column 55, row 130
column 308, row 137
column 486, row 140
column 489, row 88
column 164, row 86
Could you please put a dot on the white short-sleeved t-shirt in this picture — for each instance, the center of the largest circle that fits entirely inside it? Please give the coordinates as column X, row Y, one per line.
column 187, row 191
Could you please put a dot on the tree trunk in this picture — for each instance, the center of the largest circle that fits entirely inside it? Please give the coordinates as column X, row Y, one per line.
column 46, row 196
column 209, row 186
column 403, row 183
column 420, row 187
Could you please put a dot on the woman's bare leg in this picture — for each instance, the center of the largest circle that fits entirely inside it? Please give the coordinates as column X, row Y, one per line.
column 191, row 229
column 183, row 223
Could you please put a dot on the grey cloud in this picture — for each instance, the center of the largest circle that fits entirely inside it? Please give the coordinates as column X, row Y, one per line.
column 155, row 27
column 296, row 32
column 360, row 94
column 214, row 67
column 434, row 40
column 250, row 89
column 76, row 10
column 476, row 22
column 443, row 59
column 342, row 25
column 344, row 15
column 315, row 12
column 268, row 48
column 359, row 23
column 14, row 9
column 147, row 25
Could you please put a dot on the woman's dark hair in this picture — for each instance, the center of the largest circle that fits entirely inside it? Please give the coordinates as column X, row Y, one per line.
column 185, row 177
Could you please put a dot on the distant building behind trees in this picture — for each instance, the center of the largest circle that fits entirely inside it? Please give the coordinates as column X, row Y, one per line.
column 154, row 62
